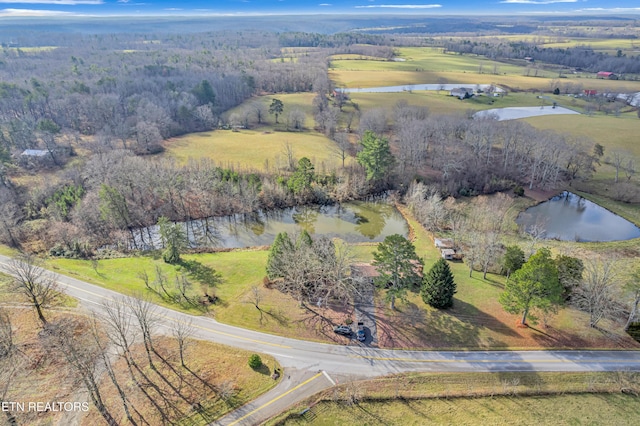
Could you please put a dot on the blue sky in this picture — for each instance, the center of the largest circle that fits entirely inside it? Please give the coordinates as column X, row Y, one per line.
column 242, row 7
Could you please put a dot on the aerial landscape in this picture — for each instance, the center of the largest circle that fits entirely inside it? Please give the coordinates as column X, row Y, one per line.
column 289, row 212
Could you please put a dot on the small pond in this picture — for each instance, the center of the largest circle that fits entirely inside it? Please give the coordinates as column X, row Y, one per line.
column 569, row 217
column 409, row 87
column 359, row 221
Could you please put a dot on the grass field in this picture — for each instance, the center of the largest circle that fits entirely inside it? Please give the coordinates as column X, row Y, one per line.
column 250, row 149
column 430, row 65
column 587, row 409
column 475, row 398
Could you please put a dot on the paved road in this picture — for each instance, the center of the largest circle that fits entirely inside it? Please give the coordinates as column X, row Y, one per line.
column 314, row 366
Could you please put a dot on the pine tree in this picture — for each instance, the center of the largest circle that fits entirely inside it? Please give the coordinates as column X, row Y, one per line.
column 438, row 286
column 281, row 244
column 399, row 266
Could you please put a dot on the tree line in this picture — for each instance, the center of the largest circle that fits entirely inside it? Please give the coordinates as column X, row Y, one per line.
column 582, row 57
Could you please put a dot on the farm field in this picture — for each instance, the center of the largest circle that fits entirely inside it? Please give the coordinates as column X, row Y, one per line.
column 430, row 65
column 249, row 149
column 252, row 149
column 539, row 410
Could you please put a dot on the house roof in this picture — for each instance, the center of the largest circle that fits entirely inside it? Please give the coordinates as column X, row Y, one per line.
column 607, row 73
column 364, row 270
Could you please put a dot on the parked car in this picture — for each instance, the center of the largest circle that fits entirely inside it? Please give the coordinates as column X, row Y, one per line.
column 344, row 330
column 360, row 335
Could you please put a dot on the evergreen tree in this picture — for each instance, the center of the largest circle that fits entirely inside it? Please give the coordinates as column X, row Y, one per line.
column 513, row 260
column 173, row 238
column 375, row 156
column 398, row 265
column 300, row 181
column 438, row 286
column 275, row 260
column 276, row 108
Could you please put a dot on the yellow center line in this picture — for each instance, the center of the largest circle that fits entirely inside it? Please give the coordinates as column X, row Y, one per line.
column 275, row 399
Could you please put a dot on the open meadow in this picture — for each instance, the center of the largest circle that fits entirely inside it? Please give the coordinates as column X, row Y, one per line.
column 261, row 145
column 473, row 398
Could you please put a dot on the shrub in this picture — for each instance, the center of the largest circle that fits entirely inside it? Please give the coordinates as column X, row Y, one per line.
column 255, row 361
column 519, row 191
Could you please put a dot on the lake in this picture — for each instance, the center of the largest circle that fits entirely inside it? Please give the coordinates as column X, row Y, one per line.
column 358, row 221
column 569, row 217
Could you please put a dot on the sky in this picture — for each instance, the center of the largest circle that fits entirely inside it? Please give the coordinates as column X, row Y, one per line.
column 10, row 8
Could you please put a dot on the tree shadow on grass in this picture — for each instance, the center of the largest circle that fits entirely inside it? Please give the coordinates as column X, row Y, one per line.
column 379, row 420
column 469, row 314
column 263, row 369
column 202, row 273
column 413, row 326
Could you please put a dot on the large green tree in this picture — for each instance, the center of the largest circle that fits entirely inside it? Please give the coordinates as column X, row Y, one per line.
column 438, row 286
column 570, row 270
column 398, row 265
column 276, row 108
column 375, row 156
column 173, row 238
column 534, row 286
column 275, row 260
column 513, row 260
column 300, row 182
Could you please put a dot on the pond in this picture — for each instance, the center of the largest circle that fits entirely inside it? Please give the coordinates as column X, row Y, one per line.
column 359, row 221
column 569, row 217
column 410, row 87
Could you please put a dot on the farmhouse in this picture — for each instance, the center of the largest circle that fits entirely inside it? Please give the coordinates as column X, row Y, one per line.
column 607, row 75
column 590, row 92
column 461, row 92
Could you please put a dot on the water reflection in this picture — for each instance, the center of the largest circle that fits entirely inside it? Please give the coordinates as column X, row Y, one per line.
column 569, row 217
column 352, row 222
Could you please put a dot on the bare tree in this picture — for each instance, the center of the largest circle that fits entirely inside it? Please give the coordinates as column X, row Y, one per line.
column 183, row 332
column 33, row 282
column 597, row 294
column 83, row 358
column 634, row 288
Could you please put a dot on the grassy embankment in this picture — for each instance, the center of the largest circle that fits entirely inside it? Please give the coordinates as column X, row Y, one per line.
column 509, row 398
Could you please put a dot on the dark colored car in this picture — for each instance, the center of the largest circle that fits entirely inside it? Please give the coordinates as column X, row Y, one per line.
column 360, row 334
column 343, row 330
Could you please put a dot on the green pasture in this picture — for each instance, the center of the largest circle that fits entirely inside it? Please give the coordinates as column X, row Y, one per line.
column 431, row 65
column 552, row 410
column 609, row 131
column 251, row 149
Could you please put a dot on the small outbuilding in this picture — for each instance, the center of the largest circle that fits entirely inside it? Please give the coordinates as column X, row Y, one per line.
column 448, row 254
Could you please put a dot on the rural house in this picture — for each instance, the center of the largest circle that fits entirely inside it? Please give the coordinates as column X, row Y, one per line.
column 607, row 75
column 461, row 92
